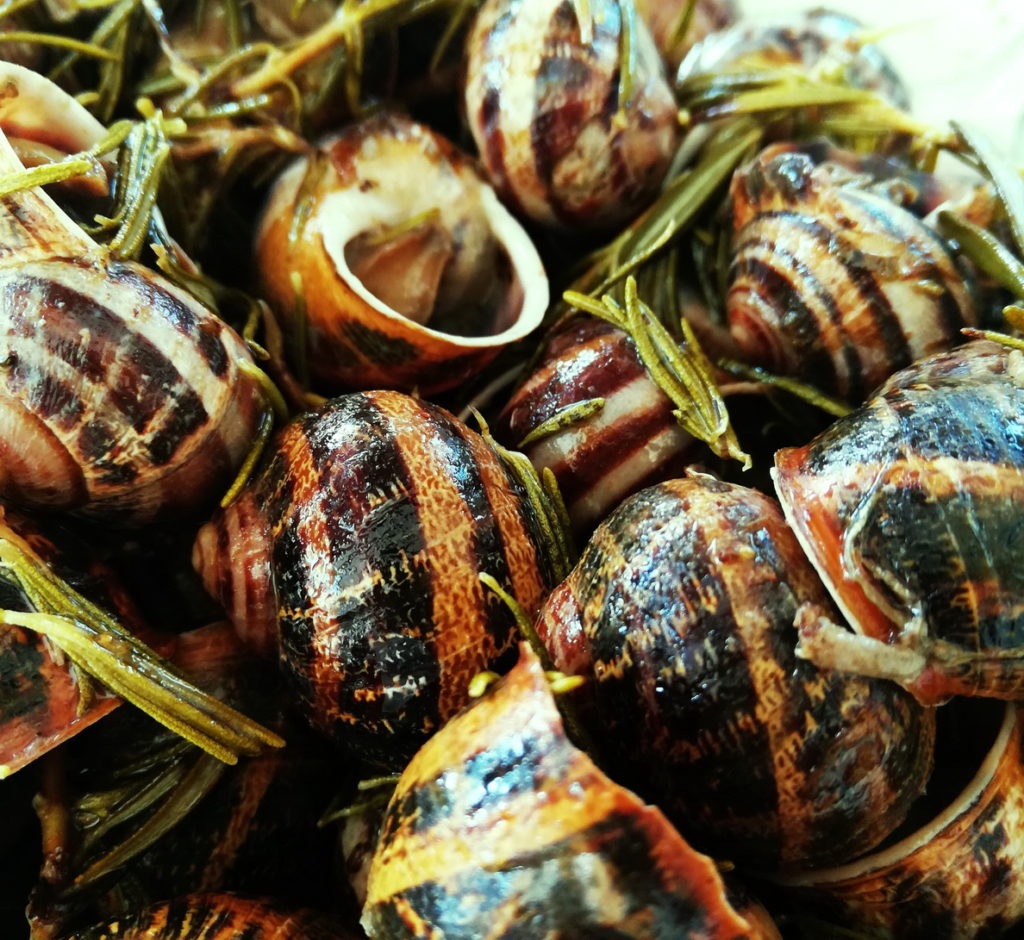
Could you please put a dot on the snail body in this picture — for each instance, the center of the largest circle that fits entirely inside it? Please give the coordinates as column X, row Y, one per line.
column 910, row 509
column 499, row 826
column 681, row 609
column 121, row 396
column 395, row 262
column 357, row 552
column 556, row 140
column 832, row 281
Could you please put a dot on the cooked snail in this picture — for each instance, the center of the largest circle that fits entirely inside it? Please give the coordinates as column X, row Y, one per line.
column 357, row 552
column 910, row 509
column 121, row 396
column 563, row 138
column 394, row 264
column 832, row 280
column 500, row 827
column 682, row 608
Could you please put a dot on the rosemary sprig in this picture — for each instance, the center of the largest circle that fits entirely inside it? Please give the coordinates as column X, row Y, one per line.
column 795, row 387
column 682, row 372
column 564, row 418
column 545, row 498
column 985, row 250
column 100, row 647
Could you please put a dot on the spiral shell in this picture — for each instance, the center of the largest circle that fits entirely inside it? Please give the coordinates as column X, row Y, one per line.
column 395, row 265
column 681, row 608
column 959, row 876
column 632, row 439
column 121, row 395
column 359, row 548
column 544, row 109
column 832, row 281
column 910, row 509
column 500, row 827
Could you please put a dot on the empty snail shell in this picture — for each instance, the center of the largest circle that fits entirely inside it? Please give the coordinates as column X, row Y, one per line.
column 910, row 509
column 958, row 876
column 628, row 438
column 358, row 550
column 831, row 280
column 394, row 263
column 500, row 827
column 215, row 917
column 121, row 395
column 682, row 608
column 544, row 105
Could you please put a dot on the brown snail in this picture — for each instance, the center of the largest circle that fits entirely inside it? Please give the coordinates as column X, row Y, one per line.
column 681, row 608
column 357, row 552
column 674, row 34
column 500, row 827
column 121, row 396
column 833, row 280
column 394, row 263
column 910, row 509
column 559, row 135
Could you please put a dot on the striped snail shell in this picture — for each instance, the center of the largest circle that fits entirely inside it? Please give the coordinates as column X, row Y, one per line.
column 910, row 508
column 500, row 827
column 543, row 104
column 358, row 550
column 215, row 917
column 832, row 281
column 630, row 441
column 681, row 608
column 395, row 261
column 121, row 395
column 664, row 17
column 960, row 874
column 818, row 39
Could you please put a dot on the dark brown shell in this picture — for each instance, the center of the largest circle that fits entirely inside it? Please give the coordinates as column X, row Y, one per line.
column 543, row 107
column 832, row 280
column 910, row 507
column 959, row 876
column 215, row 917
column 500, row 827
column 360, row 545
column 682, row 609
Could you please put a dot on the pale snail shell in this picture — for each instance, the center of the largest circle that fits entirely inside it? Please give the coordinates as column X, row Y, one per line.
column 832, row 281
column 121, row 395
column 543, row 107
column 397, row 260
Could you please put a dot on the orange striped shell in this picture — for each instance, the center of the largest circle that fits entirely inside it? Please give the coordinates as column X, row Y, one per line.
column 357, row 552
column 500, row 827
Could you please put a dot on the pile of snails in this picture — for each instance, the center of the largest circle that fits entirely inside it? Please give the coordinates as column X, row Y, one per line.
column 581, row 499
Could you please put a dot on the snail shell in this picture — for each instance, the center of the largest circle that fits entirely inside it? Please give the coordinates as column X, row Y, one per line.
column 663, row 18
column 819, row 39
column 832, row 281
column 910, row 509
column 120, row 394
column 215, row 917
column 358, row 549
column 397, row 262
column 500, row 822
column 681, row 608
column 958, row 876
column 631, row 441
column 544, row 109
